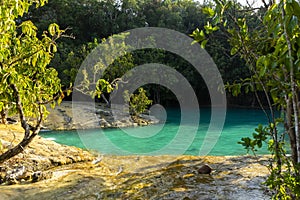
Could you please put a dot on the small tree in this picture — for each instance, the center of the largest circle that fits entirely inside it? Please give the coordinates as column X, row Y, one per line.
column 138, row 103
column 27, row 85
column 271, row 49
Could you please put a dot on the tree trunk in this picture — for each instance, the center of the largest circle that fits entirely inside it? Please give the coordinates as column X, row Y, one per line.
column 17, row 149
column 27, row 135
column 3, row 116
column 291, row 131
column 253, row 101
column 156, row 95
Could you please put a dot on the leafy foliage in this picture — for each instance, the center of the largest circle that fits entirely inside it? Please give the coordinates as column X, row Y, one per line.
column 137, row 102
column 103, row 74
column 24, row 59
column 27, row 84
column 91, row 20
column 261, row 135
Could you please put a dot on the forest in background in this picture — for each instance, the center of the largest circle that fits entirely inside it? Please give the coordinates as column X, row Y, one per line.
column 88, row 21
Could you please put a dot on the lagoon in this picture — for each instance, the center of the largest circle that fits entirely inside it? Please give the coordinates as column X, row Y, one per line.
column 150, row 140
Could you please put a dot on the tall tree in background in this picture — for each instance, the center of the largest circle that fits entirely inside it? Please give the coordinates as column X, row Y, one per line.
column 27, row 84
column 272, row 53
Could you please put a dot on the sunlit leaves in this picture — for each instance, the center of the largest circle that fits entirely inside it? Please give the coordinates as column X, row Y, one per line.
column 199, row 35
column 111, row 62
column 138, row 102
column 53, row 29
column 24, row 56
column 103, row 86
column 210, row 29
column 28, row 29
column 209, row 11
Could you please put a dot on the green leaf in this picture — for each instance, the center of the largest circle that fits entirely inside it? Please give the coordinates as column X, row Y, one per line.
column 225, row 23
column 59, row 100
column 234, row 50
column 53, row 29
column 33, row 61
column 198, row 35
column 296, row 8
column 208, row 11
column 54, row 48
column 52, row 104
column 292, row 24
column 203, row 44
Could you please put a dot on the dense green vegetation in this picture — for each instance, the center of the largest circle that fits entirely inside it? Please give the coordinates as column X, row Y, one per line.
column 89, row 21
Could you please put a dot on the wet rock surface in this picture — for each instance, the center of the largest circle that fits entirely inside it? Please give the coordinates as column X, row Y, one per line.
column 150, row 177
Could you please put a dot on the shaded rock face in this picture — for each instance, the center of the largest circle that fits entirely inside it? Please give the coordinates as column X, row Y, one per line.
column 89, row 117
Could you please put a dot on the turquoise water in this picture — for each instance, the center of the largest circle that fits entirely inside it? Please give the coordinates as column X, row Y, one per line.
column 153, row 139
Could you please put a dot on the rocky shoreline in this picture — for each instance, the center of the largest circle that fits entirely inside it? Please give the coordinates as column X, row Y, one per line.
column 34, row 163
column 92, row 116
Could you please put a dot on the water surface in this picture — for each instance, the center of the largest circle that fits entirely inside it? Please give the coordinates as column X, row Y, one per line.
column 140, row 140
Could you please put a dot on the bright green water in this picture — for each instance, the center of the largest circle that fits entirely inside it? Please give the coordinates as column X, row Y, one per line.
column 239, row 123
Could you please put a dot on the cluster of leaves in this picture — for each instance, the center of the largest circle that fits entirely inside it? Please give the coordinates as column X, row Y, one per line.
column 24, row 57
column 104, row 67
column 137, row 102
column 107, row 63
column 260, row 135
